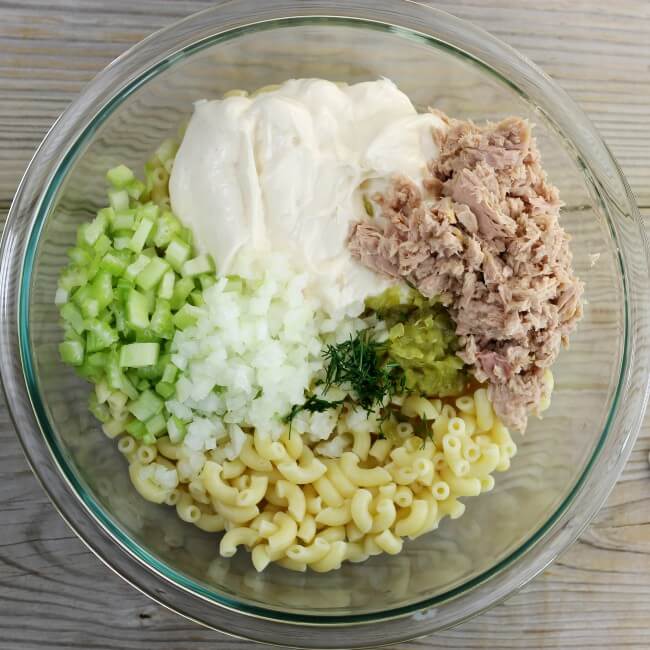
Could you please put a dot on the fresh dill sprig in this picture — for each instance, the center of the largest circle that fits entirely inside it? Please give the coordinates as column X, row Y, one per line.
column 359, row 364
column 313, row 404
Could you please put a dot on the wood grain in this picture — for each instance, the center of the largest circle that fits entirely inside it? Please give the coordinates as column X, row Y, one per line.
column 55, row 594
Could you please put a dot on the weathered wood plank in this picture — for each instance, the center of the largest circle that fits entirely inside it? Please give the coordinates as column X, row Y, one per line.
column 55, row 594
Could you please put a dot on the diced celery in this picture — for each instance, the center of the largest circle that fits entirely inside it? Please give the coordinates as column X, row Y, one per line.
column 100, row 411
column 100, row 335
column 61, row 296
column 186, row 316
column 167, row 150
column 149, row 211
column 97, row 359
column 71, row 314
column 119, row 199
column 102, row 245
column 136, row 188
column 169, row 373
column 120, row 176
column 143, row 385
column 137, row 312
column 165, row 390
column 148, row 439
column 124, row 220
column 135, row 268
column 121, row 242
column 113, row 264
column 198, row 265
column 151, row 275
column 103, row 391
column 182, row 289
column 114, row 427
column 95, row 228
column 186, row 235
column 72, row 352
column 166, row 287
column 117, row 400
column 161, row 320
column 177, row 253
column 176, row 429
column 79, row 256
column 102, row 289
column 116, row 379
column 207, row 280
column 72, row 277
column 166, row 227
column 140, row 235
column 137, row 355
column 196, row 298
column 146, row 405
column 136, row 429
column 156, row 425
column 86, row 301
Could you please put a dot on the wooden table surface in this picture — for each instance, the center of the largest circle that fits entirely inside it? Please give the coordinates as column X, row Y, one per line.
column 55, row 594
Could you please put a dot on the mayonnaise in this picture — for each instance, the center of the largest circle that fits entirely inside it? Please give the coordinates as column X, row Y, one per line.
column 283, row 170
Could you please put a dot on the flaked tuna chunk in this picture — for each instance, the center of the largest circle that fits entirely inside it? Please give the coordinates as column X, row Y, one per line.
column 486, row 237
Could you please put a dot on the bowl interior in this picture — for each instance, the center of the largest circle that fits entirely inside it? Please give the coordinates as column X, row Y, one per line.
column 552, row 456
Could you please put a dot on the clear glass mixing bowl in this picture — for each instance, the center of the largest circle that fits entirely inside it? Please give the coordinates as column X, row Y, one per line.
column 566, row 463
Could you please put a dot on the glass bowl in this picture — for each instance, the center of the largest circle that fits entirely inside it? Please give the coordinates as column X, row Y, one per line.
column 567, row 463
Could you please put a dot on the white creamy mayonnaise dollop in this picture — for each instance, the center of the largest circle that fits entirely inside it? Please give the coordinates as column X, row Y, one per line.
column 282, row 171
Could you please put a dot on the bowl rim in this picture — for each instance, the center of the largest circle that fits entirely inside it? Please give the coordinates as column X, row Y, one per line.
column 31, row 204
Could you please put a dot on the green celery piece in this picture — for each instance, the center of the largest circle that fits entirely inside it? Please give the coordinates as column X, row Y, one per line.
column 169, row 373
column 102, row 389
column 207, row 280
column 135, row 428
column 165, row 390
column 166, row 227
column 97, row 360
column 136, row 188
column 100, row 335
column 72, row 352
column 116, row 379
column 71, row 278
column 112, row 263
column 177, row 253
column 102, row 245
column 79, row 256
column 166, row 287
column 148, row 439
column 119, row 177
column 137, row 355
column 161, row 320
column 149, row 211
column 71, row 314
column 151, row 275
column 186, row 316
column 186, row 235
column 197, row 266
column 102, row 289
column 121, row 242
column 167, row 150
column 143, row 385
column 135, row 268
column 124, row 220
column 119, row 199
column 95, row 228
column 100, row 411
column 176, row 429
column 156, row 425
column 86, row 301
column 137, row 312
column 140, row 235
column 196, row 298
column 146, row 405
column 182, row 289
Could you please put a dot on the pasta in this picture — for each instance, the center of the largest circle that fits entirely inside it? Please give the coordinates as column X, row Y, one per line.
column 287, row 505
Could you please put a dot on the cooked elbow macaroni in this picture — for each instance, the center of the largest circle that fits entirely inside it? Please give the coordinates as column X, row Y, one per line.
column 285, row 504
